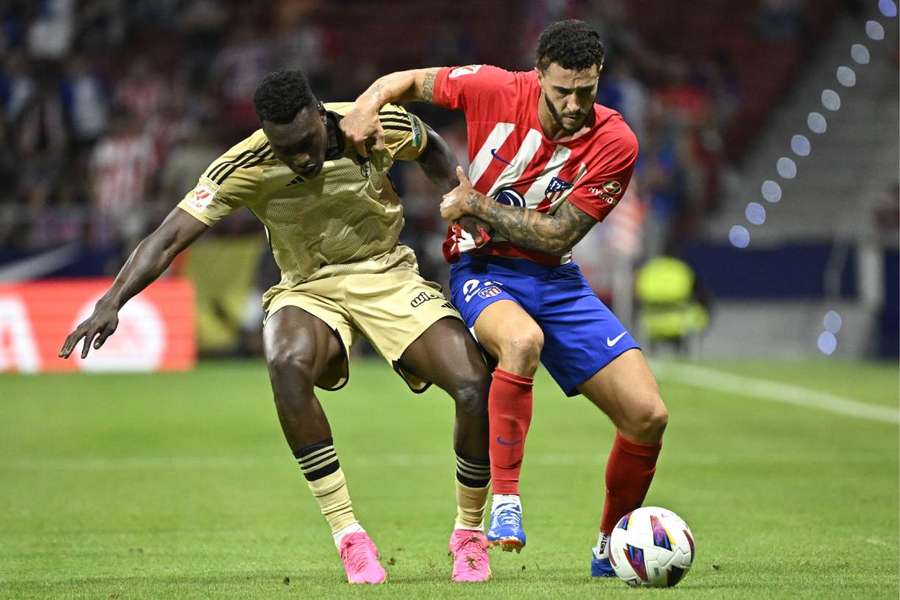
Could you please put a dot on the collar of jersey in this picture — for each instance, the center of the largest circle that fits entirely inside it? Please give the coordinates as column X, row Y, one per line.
column 336, row 144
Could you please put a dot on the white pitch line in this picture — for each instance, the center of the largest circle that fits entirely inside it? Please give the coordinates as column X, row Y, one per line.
column 712, row 379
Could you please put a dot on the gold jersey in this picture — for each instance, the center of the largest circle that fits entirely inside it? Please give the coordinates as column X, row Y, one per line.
column 346, row 219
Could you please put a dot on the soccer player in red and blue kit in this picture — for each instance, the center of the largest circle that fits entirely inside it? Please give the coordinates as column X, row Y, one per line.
column 546, row 163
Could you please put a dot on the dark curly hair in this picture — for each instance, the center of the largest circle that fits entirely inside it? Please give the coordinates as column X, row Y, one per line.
column 281, row 95
column 571, row 44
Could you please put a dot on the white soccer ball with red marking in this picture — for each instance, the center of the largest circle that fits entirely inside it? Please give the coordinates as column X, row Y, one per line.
column 651, row 546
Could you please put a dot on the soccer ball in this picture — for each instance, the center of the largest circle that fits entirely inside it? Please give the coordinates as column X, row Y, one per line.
column 651, row 546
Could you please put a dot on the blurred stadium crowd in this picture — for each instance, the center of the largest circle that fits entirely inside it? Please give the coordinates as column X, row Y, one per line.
column 112, row 108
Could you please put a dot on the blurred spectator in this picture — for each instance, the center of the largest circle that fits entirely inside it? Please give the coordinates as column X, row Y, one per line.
column 16, row 86
column 52, row 29
column 41, row 124
column 242, row 63
column 122, row 167
column 195, row 151
column 85, row 100
column 143, row 91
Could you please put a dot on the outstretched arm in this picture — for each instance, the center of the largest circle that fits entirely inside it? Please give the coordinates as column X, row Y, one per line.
column 148, row 261
column 553, row 234
column 362, row 123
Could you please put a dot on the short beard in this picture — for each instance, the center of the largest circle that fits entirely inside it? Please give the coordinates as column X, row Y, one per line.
column 557, row 118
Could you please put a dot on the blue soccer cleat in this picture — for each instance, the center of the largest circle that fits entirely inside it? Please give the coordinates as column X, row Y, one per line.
column 506, row 527
column 600, row 567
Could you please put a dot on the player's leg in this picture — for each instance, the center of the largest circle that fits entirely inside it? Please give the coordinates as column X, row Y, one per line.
column 626, row 391
column 492, row 298
column 588, row 350
column 302, row 351
column 447, row 355
column 512, row 337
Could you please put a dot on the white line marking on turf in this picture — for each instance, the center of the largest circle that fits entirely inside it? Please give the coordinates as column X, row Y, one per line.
column 712, row 379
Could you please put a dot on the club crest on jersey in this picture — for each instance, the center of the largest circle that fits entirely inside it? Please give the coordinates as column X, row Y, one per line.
column 555, row 189
column 509, row 197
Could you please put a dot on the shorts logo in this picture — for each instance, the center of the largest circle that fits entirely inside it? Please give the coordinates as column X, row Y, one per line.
column 424, row 297
column 489, row 292
column 487, row 289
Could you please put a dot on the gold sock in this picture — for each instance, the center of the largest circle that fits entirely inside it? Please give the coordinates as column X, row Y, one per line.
column 470, row 503
column 334, row 500
column 473, row 478
column 320, row 466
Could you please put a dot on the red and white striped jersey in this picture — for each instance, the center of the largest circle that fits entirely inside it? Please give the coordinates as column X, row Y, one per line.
column 513, row 162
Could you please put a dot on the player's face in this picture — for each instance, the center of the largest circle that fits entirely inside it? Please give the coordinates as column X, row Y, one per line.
column 301, row 143
column 569, row 95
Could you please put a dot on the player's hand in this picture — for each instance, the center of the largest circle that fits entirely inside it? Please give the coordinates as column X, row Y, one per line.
column 363, row 129
column 456, row 202
column 100, row 325
column 479, row 231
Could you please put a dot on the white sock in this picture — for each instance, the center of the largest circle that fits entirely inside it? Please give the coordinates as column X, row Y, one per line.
column 500, row 499
column 600, row 550
column 351, row 528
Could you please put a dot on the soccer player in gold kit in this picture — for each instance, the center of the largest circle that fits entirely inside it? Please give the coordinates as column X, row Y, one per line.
column 333, row 220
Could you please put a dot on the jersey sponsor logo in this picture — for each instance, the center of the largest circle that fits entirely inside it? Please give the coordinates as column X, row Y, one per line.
column 424, row 297
column 498, row 157
column 509, row 197
column 202, row 197
column 467, row 70
column 610, row 192
column 294, row 181
column 612, row 187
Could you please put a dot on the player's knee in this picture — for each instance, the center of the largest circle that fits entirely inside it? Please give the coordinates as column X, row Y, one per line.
column 470, row 393
column 651, row 420
column 523, row 347
column 293, row 363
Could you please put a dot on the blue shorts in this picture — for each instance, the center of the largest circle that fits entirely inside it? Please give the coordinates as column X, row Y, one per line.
column 581, row 335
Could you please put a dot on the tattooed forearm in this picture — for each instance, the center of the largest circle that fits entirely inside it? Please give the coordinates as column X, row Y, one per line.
column 428, row 86
column 416, row 85
column 377, row 91
column 554, row 234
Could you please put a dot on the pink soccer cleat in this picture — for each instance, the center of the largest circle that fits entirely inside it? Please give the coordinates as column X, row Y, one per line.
column 360, row 558
column 470, row 557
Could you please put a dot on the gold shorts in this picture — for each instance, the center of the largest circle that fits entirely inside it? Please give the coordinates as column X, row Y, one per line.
column 391, row 309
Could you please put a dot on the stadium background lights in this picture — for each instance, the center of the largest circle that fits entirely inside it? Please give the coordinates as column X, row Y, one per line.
column 827, row 341
column 754, row 212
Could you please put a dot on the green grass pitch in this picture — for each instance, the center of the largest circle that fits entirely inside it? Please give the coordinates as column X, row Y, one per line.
column 181, row 486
